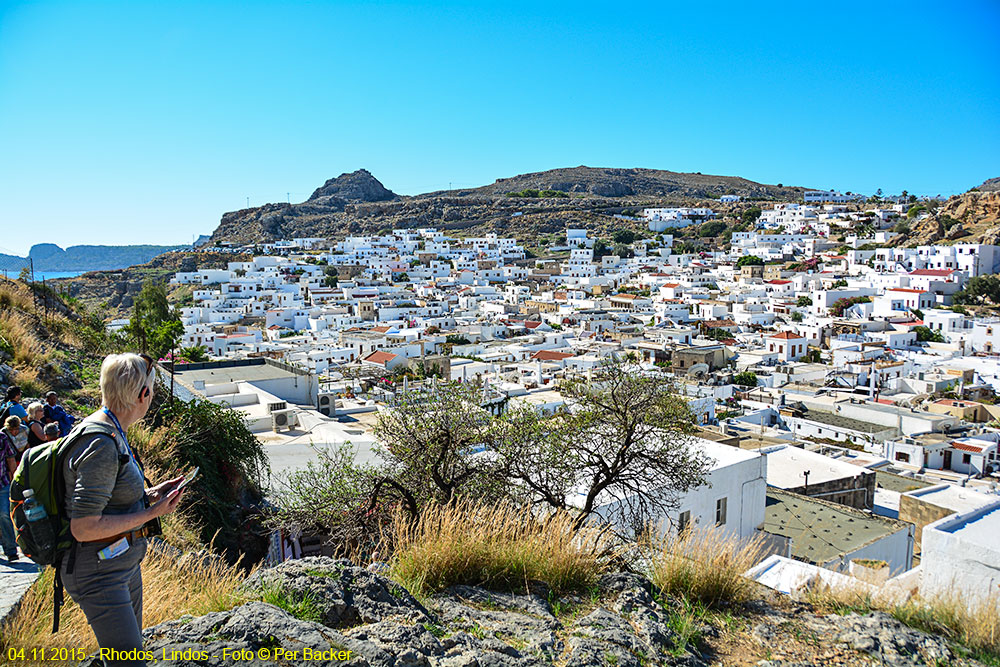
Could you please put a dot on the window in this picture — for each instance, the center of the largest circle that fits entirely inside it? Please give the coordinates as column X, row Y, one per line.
column 966, row 458
column 903, row 457
column 683, row 521
column 720, row 511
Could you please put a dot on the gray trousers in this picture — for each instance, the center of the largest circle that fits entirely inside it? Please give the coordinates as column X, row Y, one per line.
column 110, row 594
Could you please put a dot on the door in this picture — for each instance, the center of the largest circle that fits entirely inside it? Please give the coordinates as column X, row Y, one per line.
column 947, row 459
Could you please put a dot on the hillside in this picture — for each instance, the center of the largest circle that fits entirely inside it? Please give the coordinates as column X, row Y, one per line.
column 113, row 291
column 358, row 203
column 50, row 257
column 971, row 217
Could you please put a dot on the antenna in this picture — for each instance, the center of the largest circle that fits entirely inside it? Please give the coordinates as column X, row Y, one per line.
column 288, row 196
column 248, row 202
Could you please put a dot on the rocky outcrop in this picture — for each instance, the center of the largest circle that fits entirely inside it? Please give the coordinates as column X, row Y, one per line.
column 335, row 613
column 358, row 203
column 357, row 186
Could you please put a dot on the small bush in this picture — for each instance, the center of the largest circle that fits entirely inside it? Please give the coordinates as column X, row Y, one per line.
column 704, row 565
column 500, row 547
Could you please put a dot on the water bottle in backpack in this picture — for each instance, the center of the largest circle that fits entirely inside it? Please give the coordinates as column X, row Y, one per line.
column 38, row 522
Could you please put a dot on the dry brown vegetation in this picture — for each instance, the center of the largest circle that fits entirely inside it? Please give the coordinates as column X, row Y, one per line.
column 975, row 626
column 189, row 585
column 503, row 547
column 705, row 565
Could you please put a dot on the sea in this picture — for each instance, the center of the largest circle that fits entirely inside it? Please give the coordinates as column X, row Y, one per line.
column 52, row 275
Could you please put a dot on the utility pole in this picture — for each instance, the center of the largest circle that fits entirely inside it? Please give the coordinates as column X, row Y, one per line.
column 173, row 364
column 248, row 202
column 288, row 196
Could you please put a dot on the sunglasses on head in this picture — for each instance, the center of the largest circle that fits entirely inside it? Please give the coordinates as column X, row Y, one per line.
column 150, row 364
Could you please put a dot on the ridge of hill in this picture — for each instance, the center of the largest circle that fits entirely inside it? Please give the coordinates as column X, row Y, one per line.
column 51, row 257
column 357, row 203
column 971, row 217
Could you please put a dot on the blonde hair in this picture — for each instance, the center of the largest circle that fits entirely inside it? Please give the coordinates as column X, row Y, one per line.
column 33, row 408
column 123, row 377
column 12, row 422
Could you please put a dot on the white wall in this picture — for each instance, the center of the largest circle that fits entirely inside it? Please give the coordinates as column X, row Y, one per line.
column 895, row 549
column 955, row 565
column 743, row 483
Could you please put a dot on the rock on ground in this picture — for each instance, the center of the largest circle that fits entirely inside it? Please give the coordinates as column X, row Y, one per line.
column 623, row 625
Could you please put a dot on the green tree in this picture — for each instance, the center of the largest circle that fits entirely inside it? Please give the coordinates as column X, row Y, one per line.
column 926, row 335
column 979, row 290
column 601, row 249
column 750, row 216
column 627, row 437
column 796, row 316
column 713, row 228
column 625, row 236
column 746, row 379
column 195, row 354
column 804, row 301
column 154, row 325
column 749, row 260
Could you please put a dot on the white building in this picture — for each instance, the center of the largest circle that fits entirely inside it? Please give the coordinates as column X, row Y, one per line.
column 960, row 557
column 732, row 499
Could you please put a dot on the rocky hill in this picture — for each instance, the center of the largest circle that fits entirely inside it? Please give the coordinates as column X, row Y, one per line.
column 112, row 292
column 972, row 217
column 990, row 185
column 328, row 612
column 358, row 203
column 50, row 257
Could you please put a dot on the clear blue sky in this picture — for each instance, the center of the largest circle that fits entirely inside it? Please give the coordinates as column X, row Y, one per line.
column 132, row 122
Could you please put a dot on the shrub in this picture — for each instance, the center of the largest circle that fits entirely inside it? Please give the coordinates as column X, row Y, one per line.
column 706, row 565
column 746, row 379
column 501, row 547
column 181, row 435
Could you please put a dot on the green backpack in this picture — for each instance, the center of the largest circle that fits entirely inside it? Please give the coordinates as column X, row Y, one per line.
column 41, row 470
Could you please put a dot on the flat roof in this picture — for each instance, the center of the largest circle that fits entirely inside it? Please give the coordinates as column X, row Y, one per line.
column 786, row 465
column 840, row 421
column 899, row 483
column 822, row 531
column 955, row 498
column 981, row 528
column 243, row 370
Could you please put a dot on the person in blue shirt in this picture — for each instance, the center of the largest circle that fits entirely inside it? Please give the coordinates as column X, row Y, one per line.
column 13, row 405
column 54, row 413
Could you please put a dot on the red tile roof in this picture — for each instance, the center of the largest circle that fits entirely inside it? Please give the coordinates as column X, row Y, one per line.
column 380, row 357
column 907, row 289
column 786, row 335
column 779, row 282
column 941, row 273
column 551, row 355
column 968, row 448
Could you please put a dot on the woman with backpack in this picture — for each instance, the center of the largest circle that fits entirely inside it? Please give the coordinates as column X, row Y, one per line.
column 12, row 405
column 110, row 512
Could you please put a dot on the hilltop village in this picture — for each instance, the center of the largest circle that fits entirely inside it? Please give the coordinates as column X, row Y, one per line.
column 845, row 393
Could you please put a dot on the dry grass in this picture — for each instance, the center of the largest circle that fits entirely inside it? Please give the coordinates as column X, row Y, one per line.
column 171, row 588
column 975, row 626
column 20, row 338
column 500, row 547
column 704, row 565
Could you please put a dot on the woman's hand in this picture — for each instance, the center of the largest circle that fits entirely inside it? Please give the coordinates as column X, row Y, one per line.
column 167, row 505
column 159, row 490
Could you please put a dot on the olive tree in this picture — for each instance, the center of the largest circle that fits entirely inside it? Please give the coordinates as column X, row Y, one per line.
column 625, row 441
column 436, row 444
